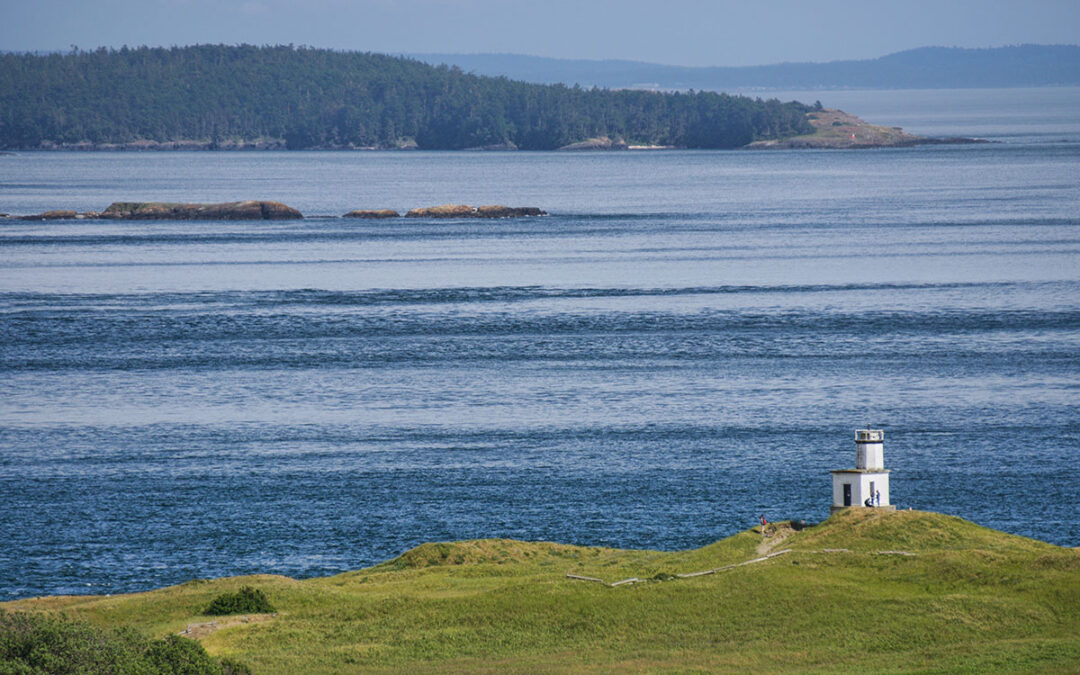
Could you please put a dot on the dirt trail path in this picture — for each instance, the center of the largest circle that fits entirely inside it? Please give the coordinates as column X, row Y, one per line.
column 777, row 533
column 201, row 630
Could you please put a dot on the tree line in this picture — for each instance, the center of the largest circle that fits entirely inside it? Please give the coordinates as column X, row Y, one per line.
column 318, row 98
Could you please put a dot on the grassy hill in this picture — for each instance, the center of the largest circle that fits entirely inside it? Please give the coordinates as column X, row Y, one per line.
column 864, row 591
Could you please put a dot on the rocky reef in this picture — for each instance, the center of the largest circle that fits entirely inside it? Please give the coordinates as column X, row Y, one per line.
column 372, row 214
column 261, row 210
column 56, row 215
column 247, row 210
column 466, row 211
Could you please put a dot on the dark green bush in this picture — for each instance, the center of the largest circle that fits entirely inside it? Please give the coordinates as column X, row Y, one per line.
column 45, row 643
column 175, row 654
column 230, row 667
column 247, row 600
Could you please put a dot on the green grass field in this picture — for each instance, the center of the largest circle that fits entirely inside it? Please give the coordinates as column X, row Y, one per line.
column 865, row 591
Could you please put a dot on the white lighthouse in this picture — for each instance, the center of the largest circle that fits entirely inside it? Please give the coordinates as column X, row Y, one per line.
column 868, row 483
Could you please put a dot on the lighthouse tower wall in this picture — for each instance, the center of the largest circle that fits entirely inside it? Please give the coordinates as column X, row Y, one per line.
column 870, row 449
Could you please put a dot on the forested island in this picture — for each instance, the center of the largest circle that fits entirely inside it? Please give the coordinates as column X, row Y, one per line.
column 283, row 97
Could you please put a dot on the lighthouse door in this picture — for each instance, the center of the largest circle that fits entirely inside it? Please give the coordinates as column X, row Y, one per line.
column 847, row 494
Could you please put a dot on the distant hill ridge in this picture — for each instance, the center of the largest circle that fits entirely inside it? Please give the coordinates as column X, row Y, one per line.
column 923, row 68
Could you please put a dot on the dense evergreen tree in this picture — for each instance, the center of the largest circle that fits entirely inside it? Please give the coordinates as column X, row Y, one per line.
column 315, row 98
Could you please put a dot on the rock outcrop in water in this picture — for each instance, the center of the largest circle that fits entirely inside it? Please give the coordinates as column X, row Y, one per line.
column 256, row 210
column 601, row 143
column 53, row 215
column 248, row 210
column 372, row 214
column 466, row 211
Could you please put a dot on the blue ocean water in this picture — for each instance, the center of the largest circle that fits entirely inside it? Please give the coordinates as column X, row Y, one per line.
column 687, row 341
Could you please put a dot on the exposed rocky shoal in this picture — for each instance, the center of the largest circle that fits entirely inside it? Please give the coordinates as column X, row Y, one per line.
column 466, row 211
column 372, row 214
column 246, row 210
column 268, row 210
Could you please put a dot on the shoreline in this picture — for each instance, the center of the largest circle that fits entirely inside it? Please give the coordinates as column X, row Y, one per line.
column 808, row 142
column 833, row 129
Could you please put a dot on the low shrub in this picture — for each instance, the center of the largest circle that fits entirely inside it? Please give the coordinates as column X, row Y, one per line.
column 247, row 600
column 46, row 643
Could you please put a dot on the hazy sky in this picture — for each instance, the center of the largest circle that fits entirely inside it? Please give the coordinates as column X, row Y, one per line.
column 687, row 32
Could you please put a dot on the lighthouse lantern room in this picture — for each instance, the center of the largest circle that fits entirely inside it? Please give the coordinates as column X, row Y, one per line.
column 868, row 483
